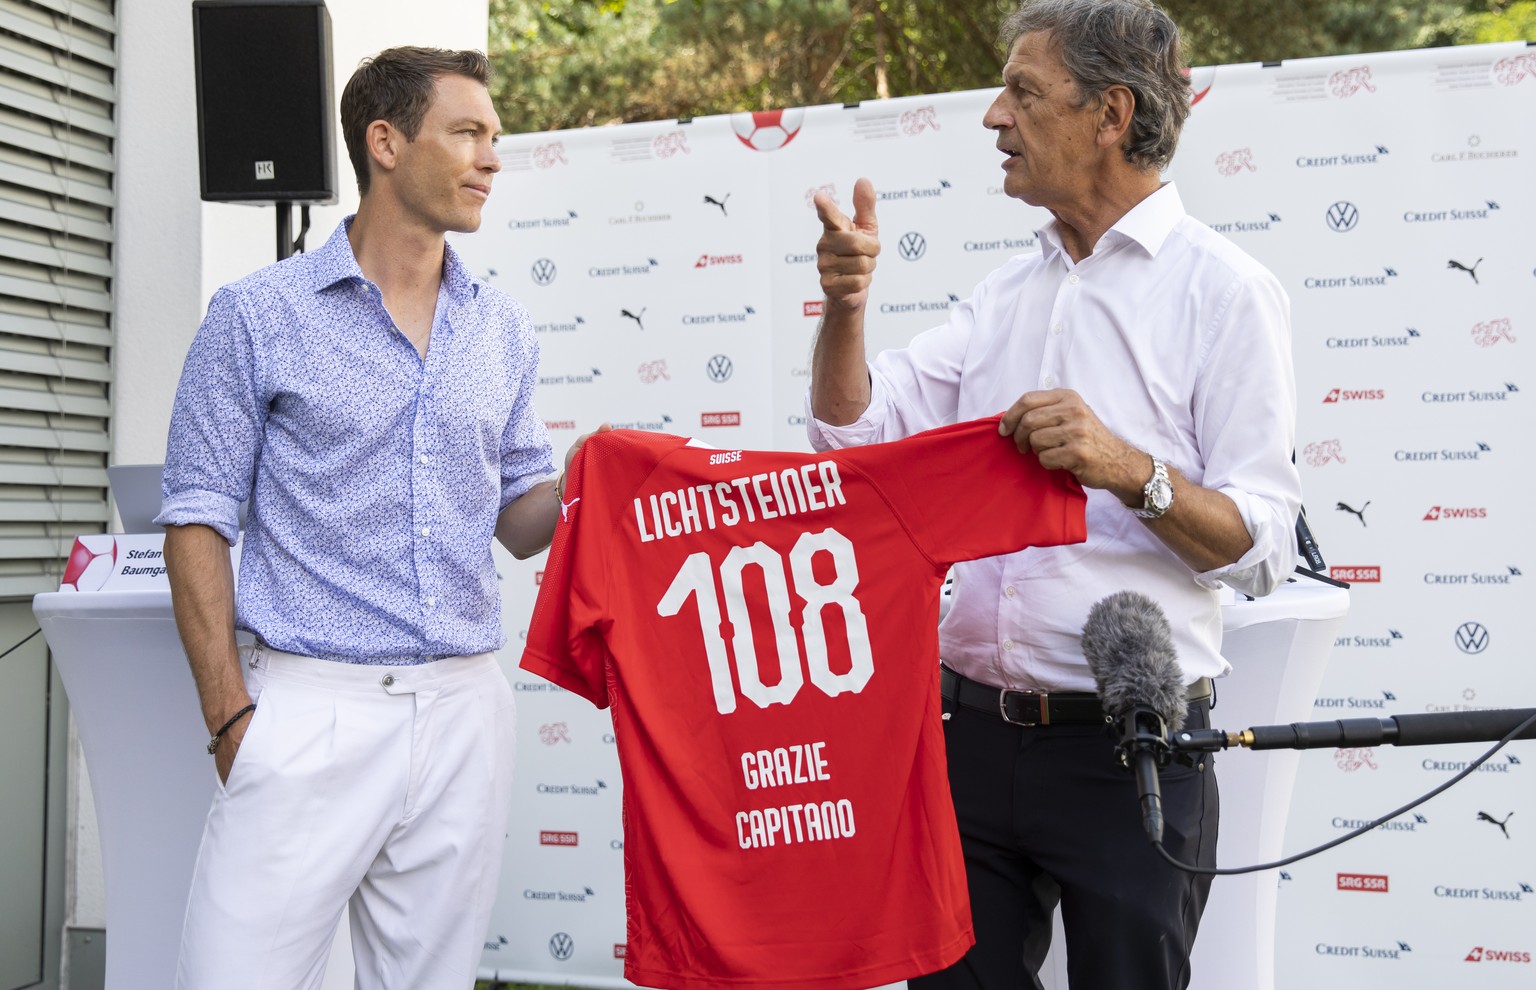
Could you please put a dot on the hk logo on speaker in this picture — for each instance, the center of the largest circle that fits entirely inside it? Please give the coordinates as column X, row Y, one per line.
column 1342, row 217
column 1471, row 637
column 543, row 271
column 912, row 246
column 265, row 170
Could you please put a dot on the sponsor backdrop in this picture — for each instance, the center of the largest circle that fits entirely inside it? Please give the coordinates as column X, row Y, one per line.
column 669, row 268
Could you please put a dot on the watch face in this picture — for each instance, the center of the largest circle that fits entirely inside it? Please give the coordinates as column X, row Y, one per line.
column 1161, row 495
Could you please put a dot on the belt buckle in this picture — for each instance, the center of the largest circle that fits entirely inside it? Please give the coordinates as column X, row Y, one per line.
column 1041, row 697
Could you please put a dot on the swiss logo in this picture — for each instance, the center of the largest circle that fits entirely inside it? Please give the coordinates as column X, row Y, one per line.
column 1437, row 513
column 1354, row 395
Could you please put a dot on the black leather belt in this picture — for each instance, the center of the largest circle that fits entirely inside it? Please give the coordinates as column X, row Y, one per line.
column 1031, row 708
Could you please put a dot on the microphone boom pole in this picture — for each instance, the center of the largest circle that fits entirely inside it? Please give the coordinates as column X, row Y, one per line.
column 1433, row 729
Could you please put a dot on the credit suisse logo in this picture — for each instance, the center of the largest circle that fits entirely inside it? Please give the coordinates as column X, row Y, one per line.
column 1356, row 573
column 1379, row 952
column 1441, row 216
column 1398, row 825
column 1356, row 703
column 1366, row 882
column 1368, row 642
column 1342, row 158
column 574, row 790
column 1444, row 454
column 1354, row 395
column 1248, row 227
column 1521, row 893
column 914, row 192
column 1437, row 513
column 1347, row 281
column 1471, row 395
column 1474, row 578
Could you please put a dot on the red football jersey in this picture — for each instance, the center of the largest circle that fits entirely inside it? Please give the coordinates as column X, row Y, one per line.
column 764, row 625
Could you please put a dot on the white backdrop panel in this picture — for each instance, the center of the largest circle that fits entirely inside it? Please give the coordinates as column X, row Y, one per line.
column 670, row 271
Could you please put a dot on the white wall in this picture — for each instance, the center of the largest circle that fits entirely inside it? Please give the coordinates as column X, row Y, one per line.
column 173, row 250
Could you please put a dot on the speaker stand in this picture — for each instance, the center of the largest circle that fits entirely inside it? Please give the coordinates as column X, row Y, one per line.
column 287, row 244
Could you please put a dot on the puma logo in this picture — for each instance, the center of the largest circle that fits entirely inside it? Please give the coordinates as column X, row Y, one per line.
column 718, row 202
column 634, row 316
column 1357, row 513
column 1453, row 263
column 565, row 508
column 1483, row 816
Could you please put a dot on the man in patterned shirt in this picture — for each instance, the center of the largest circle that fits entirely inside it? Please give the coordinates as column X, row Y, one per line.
column 374, row 404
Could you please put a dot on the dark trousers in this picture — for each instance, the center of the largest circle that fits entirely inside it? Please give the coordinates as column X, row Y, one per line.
column 1046, row 814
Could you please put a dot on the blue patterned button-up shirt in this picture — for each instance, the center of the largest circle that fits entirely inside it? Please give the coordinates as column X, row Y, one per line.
column 374, row 475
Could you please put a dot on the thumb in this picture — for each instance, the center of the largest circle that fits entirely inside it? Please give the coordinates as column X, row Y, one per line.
column 832, row 219
column 864, row 207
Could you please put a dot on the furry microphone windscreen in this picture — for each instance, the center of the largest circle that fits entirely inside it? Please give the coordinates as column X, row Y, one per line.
column 1129, row 647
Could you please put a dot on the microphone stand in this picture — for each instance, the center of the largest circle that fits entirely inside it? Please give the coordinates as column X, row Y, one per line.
column 1434, row 729
column 1400, row 730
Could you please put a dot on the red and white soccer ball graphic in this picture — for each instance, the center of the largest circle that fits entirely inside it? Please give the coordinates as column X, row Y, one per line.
column 90, row 563
column 767, row 130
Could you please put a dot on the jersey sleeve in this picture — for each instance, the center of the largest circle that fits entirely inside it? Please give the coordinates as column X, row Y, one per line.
column 564, row 645
column 965, row 491
column 567, row 636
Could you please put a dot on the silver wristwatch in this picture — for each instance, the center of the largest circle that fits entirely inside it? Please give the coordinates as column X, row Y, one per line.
column 1157, row 496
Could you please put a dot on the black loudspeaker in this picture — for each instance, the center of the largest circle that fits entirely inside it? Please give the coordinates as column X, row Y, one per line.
column 264, row 107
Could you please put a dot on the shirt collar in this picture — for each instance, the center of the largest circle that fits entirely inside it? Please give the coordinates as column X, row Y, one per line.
column 334, row 262
column 1148, row 223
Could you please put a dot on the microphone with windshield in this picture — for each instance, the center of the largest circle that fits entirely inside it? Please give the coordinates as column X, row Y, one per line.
column 1129, row 648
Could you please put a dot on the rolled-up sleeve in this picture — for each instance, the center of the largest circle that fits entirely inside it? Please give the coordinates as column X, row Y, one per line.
column 1245, row 415
column 216, row 425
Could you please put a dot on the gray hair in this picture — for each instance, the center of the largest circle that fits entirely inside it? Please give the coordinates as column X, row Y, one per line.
column 1131, row 43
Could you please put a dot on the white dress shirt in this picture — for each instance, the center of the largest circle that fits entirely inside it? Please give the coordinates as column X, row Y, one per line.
column 1181, row 344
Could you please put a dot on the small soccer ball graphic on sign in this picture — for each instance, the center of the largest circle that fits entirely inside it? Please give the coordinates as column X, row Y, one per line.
column 767, row 130
column 90, row 563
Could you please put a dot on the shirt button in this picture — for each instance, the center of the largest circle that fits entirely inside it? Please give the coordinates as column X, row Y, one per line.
column 1009, row 591
column 426, row 531
column 388, row 680
column 1057, row 329
column 1073, row 278
column 1050, row 381
column 1007, row 644
column 431, row 601
column 425, row 458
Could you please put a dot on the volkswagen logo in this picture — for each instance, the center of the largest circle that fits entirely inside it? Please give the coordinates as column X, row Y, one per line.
column 1342, row 217
column 912, row 246
column 719, row 368
column 543, row 271
column 1471, row 637
column 561, row 946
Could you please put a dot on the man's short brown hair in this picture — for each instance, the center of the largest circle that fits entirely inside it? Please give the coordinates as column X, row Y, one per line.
column 396, row 85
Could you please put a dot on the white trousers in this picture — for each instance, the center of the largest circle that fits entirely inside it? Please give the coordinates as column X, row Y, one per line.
column 386, row 788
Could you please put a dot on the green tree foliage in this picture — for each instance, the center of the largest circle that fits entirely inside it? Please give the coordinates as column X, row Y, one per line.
column 574, row 63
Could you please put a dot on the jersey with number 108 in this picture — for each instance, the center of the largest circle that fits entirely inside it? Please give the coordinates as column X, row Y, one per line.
column 764, row 626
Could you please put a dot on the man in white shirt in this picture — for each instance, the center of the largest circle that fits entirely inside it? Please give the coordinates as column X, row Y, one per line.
column 1149, row 357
